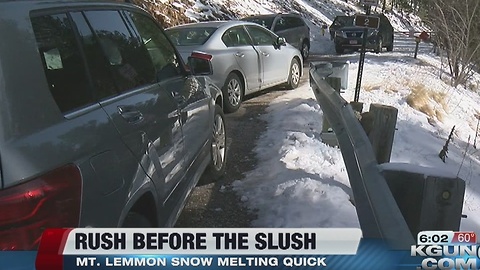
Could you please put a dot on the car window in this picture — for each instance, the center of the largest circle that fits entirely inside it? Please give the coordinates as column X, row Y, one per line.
column 127, row 59
column 293, row 22
column 281, row 24
column 97, row 64
column 161, row 51
column 235, row 36
column 190, row 36
column 62, row 61
column 263, row 21
column 260, row 36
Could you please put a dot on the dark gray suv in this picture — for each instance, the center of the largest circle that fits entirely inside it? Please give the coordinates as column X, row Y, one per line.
column 101, row 124
column 290, row 26
column 346, row 35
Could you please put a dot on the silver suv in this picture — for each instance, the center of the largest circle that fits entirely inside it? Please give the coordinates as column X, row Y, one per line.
column 290, row 26
column 101, row 124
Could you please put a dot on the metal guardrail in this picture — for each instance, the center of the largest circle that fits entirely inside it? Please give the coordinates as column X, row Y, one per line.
column 377, row 210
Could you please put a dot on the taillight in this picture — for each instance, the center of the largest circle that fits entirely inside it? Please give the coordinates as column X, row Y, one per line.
column 49, row 201
column 200, row 55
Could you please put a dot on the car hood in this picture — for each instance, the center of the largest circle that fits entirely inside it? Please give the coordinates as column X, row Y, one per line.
column 350, row 28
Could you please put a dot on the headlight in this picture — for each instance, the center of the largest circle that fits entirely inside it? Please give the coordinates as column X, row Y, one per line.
column 372, row 32
column 340, row 34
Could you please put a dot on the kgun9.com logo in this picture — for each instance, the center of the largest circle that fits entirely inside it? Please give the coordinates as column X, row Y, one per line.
column 446, row 250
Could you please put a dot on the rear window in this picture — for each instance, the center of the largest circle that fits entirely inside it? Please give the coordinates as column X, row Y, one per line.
column 190, row 36
column 263, row 21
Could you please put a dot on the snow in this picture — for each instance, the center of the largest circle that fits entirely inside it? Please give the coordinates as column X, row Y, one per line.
column 301, row 182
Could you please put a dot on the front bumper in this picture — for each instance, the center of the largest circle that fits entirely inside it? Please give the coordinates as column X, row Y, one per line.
column 355, row 42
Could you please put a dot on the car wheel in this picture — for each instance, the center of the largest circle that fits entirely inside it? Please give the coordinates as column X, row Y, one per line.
column 294, row 74
column 305, row 50
column 136, row 220
column 232, row 93
column 218, row 147
column 379, row 45
column 338, row 49
column 390, row 48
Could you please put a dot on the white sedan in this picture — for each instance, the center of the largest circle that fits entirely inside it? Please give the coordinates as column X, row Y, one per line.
column 245, row 57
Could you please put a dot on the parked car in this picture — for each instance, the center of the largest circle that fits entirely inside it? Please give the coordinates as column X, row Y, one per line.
column 245, row 57
column 290, row 26
column 101, row 124
column 348, row 36
column 339, row 22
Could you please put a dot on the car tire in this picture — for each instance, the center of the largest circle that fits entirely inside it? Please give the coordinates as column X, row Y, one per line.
column 305, row 50
column 379, row 45
column 338, row 49
column 136, row 220
column 390, row 48
column 233, row 92
column 294, row 74
column 218, row 147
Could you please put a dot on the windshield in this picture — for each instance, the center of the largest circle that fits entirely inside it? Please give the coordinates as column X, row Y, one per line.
column 263, row 21
column 344, row 21
column 190, row 36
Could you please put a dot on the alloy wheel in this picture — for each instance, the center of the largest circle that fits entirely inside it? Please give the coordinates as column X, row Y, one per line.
column 218, row 143
column 234, row 91
column 295, row 71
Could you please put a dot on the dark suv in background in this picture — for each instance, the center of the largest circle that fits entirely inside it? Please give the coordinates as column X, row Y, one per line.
column 348, row 36
column 290, row 26
column 101, row 123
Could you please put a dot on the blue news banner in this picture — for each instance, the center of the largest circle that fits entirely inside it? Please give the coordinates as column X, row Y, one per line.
column 372, row 254
column 246, row 248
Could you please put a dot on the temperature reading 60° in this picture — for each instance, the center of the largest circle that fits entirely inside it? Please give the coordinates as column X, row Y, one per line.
column 467, row 237
column 464, row 238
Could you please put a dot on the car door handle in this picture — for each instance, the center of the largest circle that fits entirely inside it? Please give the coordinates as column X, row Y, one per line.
column 130, row 114
column 238, row 54
column 265, row 54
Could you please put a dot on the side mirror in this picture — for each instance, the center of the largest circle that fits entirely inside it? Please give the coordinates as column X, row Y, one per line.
column 281, row 41
column 200, row 66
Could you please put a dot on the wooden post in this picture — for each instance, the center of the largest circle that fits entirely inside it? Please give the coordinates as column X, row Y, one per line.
column 357, row 106
column 327, row 135
column 336, row 84
column 382, row 130
column 417, row 42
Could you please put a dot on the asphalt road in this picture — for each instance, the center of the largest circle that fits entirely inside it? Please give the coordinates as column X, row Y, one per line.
column 214, row 204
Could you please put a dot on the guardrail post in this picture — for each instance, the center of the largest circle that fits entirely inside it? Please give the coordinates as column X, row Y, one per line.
column 327, row 135
column 427, row 203
column 357, row 106
column 335, row 69
column 379, row 125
